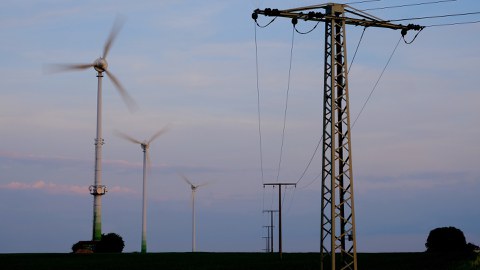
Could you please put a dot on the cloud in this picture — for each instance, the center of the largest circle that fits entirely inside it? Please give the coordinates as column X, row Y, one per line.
column 417, row 181
column 54, row 188
column 63, row 161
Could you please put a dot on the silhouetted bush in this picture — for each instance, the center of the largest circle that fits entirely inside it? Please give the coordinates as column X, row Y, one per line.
column 110, row 243
column 450, row 242
column 76, row 246
column 472, row 247
column 446, row 239
column 84, row 247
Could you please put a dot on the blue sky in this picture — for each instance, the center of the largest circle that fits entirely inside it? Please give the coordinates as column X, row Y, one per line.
column 192, row 64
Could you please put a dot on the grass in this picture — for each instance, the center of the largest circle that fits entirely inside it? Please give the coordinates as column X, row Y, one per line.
column 227, row 261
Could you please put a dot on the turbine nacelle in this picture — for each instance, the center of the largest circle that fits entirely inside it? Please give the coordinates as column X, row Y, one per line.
column 100, row 64
column 192, row 186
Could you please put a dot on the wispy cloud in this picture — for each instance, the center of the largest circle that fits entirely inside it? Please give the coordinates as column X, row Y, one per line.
column 54, row 188
column 418, row 181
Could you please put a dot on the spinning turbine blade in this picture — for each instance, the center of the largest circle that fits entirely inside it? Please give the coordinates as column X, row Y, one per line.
column 55, row 68
column 160, row 132
column 202, row 185
column 126, row 137
column 117, row 26
column 131, row 104
column 186, row 180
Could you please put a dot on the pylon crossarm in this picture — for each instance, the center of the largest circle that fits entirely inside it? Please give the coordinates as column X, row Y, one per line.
column 332, row 10
column 306, row 8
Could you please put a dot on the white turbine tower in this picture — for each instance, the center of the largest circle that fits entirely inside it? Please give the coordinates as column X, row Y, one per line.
column 146, row 162
column 100, row 65
column 194, row 189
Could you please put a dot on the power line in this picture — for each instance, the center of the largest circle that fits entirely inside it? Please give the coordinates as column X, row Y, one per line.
column 361, row 2
column 450, row 24
column 255, row 16
column 258, row 107
column 356, row 118
column 304, row 33
column 415, row 37
column 356, row 50
column 291, row 201
column 381, row 75
column 436, row 16
column 313, row 181
column 376, row 83
column 286, row 105
column 310, row 161
column 321, row 138
column 410, row 5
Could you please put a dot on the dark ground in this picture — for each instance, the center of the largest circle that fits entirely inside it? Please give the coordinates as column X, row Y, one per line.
column 227, row 261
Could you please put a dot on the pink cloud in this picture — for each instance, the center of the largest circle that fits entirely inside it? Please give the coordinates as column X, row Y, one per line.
column 15, row 185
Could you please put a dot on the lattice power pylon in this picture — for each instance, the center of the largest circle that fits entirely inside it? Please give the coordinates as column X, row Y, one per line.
column 338, row 238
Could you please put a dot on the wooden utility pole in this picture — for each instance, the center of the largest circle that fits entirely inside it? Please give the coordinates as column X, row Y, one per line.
column 271, row 226
column 280, row 211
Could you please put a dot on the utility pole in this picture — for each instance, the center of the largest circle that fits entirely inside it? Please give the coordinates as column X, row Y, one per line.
column 267, row 248
column 337, row 204
column 271, row 226
column 279, row 211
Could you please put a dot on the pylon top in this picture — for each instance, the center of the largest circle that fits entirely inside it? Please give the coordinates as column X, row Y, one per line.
column 335, row 11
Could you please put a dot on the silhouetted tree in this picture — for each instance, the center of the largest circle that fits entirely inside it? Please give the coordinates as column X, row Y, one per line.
column 76, row 246
column 84, row 247
column 110, row 243
column 472, row 247
column 446, row 239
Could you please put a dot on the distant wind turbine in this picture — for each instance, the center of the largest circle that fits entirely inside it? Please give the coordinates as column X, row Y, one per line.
column 100, row 65
column 146, row 162
column 194, row 189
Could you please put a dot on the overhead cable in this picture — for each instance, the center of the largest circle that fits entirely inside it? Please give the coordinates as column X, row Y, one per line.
column 286, row 104
column 450, row 24
column 258, row 108
column 307, row 32
column 361, row 2
column 255, row 17
column 410, row 5
column 436, row 16
column 376, row 84
column 321, row 138
column 356, row 50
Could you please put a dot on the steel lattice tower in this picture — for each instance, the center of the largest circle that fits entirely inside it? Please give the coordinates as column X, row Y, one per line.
column 337, row 210
column 338, row 237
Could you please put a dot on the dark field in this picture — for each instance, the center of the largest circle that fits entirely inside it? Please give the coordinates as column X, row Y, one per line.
column 234, row 261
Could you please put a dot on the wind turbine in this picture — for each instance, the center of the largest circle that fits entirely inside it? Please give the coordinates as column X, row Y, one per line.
column 100, row 65
column 194, row 189
column 146, row 160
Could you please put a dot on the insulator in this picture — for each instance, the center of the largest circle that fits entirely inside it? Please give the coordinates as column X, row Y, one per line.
column 319, row 15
